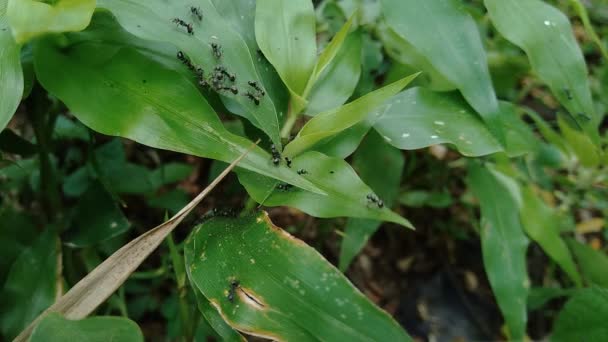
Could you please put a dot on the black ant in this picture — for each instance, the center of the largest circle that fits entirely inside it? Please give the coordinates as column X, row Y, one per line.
column 203, row 83
column 302, row 172
column 217, row 50
column 288, row 161
column 374, row 199
column 232, row 89
column 231, row 292
column 276, row 156
column 257, row 87
column 196, row 12
column 185, row 60
column 188, row 26
column 222, row 69
column 253, row 98
column 284, row 186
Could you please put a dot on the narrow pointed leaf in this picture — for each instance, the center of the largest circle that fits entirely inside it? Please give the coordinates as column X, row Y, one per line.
column 334, row 121
column 546, row 36
column 11, row 76
column 31, row 18
column 286, row 34
column 286, row 291
column 403, row 52
column 444, row 33
column 542, row 225
column 336, row 85
column 153, row 20
column 331, row 51
column 346, row 193
column 418, row 118
column 503, row 245
column 118, row 91
column 55, row 328
column 373, row 152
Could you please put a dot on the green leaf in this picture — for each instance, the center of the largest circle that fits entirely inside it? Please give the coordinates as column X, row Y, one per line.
column 373, row 152
column 94, row 329
column 539, row 296
column 241, row 14
column 445, row 34
column 347, row 194
column 17, row 230
column 169, row 173
column 346, row 142
column 11, row 76
column 542, row 223
column 210, row 314
column 32, row 18
column 285, row 32
column 329, row 53
column 337, row 120
column 286, row 291
column 172, row 201
column 30, row 285
column 118, row 91
column 503, row 245
column 546, row 36
column 69, row 129
column 421, row 198
column 403, row 52
column 97, row 218
column 418, row 118
column 579, row 144
column 337, row 83
column 593, row 264
column 372, row 61
column 583, row 318
column 152, row 20
column 581, row 11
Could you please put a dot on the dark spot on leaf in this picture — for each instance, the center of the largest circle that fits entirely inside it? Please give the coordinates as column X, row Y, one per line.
column 332, row 172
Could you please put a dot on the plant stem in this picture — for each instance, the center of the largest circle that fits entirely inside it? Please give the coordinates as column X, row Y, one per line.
column 291, row 120
column 43, row 122
column 180, row 276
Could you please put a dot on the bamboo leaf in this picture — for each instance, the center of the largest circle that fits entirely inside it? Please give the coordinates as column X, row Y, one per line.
column 334, row 121
column 546, row 36
column 503, row 245
column 54, row 328
column 447, row 36
column 285, row 32
column 11, row 76
column 542, row 225
column 153, row 20
column 347, row 194
column 373, row 151
column 266, row 283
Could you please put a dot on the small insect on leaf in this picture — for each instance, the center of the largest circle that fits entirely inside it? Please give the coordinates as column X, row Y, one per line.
column 196, row 12
column 182, row 23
